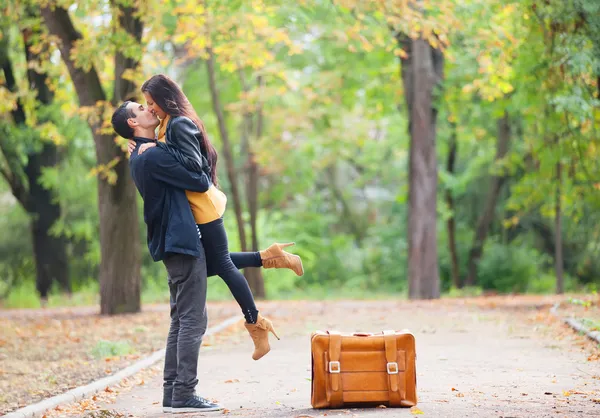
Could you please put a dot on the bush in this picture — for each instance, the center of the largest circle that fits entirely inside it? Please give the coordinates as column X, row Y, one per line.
column 510, row 268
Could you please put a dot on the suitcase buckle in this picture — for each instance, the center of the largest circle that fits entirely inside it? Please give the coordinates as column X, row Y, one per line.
column 334, row 367
column 392, row 368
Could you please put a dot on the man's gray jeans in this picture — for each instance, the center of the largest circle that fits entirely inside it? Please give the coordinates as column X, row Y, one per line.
column 189, row 318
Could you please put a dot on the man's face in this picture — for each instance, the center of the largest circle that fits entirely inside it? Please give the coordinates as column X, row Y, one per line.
column 144, row 118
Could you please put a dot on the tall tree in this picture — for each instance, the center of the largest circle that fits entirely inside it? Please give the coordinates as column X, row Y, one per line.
column 49, row 251
column 120, row 251
column 237, row 42
column 451, row 222
column 252, row 130
column 422, row 73
column 487, row 216
column 227, row 147
column 420, row 33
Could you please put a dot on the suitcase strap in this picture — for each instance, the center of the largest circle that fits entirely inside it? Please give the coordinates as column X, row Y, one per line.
column 335, row 348
column 391, row 350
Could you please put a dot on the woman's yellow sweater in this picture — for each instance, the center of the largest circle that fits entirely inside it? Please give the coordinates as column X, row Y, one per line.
column 206, row 207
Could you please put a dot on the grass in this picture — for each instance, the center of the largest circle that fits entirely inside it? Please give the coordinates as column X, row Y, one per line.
column 24, row 296
column 279, row 286
column 591, row 324
column 105, row 349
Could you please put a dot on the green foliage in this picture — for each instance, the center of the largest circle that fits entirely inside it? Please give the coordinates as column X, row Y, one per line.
column 333, row 153
column 16, row 262
column 105, row 349
column 465, row 292
column 510, row 268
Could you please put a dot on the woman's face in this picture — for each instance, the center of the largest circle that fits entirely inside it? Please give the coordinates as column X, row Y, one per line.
column 153, row 107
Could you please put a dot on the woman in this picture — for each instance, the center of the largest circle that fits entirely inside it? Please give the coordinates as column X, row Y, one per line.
column 183, row 134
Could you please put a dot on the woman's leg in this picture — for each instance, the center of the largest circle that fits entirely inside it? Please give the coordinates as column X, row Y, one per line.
column 272, row 257
column 240, row 261
column 214, row 239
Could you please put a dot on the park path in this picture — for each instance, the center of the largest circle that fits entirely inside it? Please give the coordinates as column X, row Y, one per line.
column 472, row 362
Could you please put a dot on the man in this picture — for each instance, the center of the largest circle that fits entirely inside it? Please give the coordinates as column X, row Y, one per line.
column 172, row 238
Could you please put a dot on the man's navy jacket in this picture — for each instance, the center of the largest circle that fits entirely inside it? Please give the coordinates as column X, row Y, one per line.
column 162, row 182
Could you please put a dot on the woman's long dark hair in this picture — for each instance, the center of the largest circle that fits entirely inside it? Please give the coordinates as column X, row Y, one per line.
column 169, row 97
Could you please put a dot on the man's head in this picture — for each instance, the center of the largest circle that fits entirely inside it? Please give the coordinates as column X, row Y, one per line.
column 133, row 119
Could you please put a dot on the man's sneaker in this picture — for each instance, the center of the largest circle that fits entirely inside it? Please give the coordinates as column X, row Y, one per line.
column 167, row 405
column 167, row 395
column 194, row 404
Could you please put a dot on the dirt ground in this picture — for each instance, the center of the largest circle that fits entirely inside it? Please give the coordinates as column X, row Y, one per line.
column 499, row 357
column 45, row 352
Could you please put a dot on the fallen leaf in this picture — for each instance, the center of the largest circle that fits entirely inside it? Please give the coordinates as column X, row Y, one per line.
column 416, row 411
column 454, row 390
column 566, row 393
column 232, row 381
column 460, row 395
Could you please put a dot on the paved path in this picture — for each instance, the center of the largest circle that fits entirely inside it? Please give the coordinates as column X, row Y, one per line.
column 471, row 363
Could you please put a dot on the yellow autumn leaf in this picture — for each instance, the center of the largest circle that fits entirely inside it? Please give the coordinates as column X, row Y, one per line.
column 468, row 88
column 49, row 132
column 399, row 52
column 416, row 411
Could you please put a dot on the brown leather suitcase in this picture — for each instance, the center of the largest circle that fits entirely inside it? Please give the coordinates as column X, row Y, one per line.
column 363, row 369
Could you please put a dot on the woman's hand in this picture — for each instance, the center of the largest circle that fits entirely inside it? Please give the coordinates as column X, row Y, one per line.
column 130, row 146
column 145, row 146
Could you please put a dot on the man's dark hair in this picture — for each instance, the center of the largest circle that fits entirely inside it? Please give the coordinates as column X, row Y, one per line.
column 119, row 121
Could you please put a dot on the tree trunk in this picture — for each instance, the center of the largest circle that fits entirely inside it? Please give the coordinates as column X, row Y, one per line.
column 253, row 275
column 486, row 218
column 120, row 251
column 450, row 224
column 227, row 152
column 422, row 71
column 558, row 248
column 49, row 252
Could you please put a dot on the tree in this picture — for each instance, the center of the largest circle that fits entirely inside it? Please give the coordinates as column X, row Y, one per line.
column 451, row 221
column 237, row 43
column 120, row 251
column 50, row 251
column 489, row 209
column 422, row 72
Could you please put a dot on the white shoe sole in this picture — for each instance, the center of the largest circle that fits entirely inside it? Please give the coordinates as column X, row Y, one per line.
column 188, row 410
column 167, row 409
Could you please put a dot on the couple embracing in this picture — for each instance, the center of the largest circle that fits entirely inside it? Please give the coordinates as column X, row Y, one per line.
column 175, row 172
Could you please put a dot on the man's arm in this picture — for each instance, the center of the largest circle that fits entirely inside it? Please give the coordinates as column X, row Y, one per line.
column 164, row 167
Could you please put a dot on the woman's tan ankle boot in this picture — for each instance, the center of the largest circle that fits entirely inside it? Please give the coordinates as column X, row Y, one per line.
column 260, row 336
column 275, row 257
